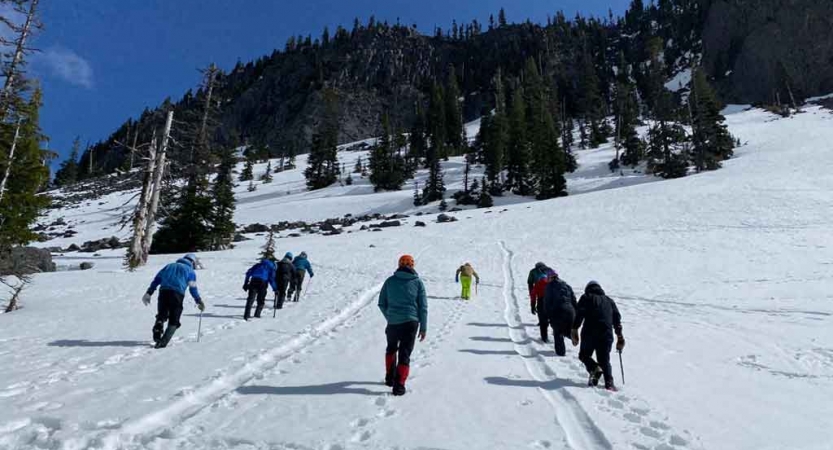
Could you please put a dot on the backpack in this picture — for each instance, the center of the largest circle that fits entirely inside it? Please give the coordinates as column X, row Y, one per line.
column 558, row 295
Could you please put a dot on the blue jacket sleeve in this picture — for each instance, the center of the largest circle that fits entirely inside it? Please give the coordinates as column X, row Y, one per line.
column 383, row 300
column 422, row 308
column 157, row 280
column 309, row 269
column 249, row 274
column 192, row 287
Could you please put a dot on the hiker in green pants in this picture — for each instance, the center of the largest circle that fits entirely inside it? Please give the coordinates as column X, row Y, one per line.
column 463, row 276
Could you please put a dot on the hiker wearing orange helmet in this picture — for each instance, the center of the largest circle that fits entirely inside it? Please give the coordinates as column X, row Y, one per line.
column 463, row 276
column 404, row 304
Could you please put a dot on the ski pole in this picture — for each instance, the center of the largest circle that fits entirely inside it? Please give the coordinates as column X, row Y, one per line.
column 307, row 288
column 199, row 328
column 275, row 306
column 622, row 367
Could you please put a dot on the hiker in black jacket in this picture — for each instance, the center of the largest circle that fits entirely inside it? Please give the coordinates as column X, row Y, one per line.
column 284, row 274
column 560, row 306
column 601, row 318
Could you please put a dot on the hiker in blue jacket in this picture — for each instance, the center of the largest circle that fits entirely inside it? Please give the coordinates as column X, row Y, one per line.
column 172, row 280
column 302, row 266
column 258, row 279
column 404, row 304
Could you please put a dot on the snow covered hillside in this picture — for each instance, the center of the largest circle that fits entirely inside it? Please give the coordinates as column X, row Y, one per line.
column 286, row 198
column 723, row 280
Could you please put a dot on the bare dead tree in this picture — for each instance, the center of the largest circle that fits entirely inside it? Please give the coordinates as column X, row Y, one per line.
column 13, row 70
column 158, row 174
column 134, row 257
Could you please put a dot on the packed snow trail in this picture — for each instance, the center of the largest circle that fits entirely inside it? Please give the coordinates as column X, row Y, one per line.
column 582, row 433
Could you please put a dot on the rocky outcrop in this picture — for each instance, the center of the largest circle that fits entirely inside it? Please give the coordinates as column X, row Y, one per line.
column 757, row 48
column 26, row 261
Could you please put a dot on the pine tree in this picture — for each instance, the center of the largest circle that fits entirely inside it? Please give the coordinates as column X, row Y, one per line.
column 626, row 108
column 387, row 166
column 435, row 185
column 268, row 249
column 436, row 126
column 455, row 142
column 68, row 173
column 485, row 200
column 712, row 141
column 517, row 155
column 222, row 194
column 24, row 174
column 494, row 136
column 252, row 186
column 417, row 138
column 417, row 195
column 267, row 176
column 248, row 172
column 358, row 168
column 443, row 205
column 590, row 102
column 667, row 144
column 501, row 18
column 322, row 164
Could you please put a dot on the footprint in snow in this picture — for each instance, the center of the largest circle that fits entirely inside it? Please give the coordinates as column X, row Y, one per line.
column 541, row 444
column 362, row 436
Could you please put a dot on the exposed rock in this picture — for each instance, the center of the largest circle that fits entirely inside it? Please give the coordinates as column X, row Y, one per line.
column 444, row 218
column 376, row 229
column 398, row 216
column 238, row 237
column 256, row 228
column 86, row 265
column 419, row 224
column 101, row 244
column 25, row 261
column 73, row 248
column 390, row 223
column 327, row 227
column 455, row 210
column 294, row 235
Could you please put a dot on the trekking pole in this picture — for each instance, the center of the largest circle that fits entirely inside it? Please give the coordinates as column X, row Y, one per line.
column 622, row 367
column 199, row 328
column 307, row 288
column 275, row 306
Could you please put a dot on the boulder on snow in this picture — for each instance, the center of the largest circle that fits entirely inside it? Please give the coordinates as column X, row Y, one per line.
column 419, row 224
column 390, row 223
column 455, row 210
column 327, row 227
column 294, row 235
column 398, row 216
column 255, row 228
column 238, row 237
column 26, row 261
column 101, row 244
column 86, row 265
column 73, row 248
column 445, row 218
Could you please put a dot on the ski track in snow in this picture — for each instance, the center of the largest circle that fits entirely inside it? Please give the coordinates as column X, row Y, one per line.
column 158, row 423
column 646, row 430
column 582, row 433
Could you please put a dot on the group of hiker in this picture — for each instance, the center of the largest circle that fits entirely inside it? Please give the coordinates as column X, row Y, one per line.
column 404, row 303
column 286, row 278
column 554, row 302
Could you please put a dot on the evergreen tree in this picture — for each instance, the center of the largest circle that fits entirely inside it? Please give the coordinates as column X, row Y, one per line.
column 494, row 136
column 68, row 173
column 455, row 141
column 517, row 155
column 590, row 102
column 712, row 141
column 501, row 18
column 252, row 186
column 485, row 200
column 443, row 205
column 267, row 176
column 222, row 194
column 626, row 108
column 268, row 249
column 417, row 138
column 387, row 167
column 358, row 168
column 435, row 185
column 667, row 144
column 248, row 170
column 322, row 164
column 24, row 175
column 436, row 126
column 417, row 195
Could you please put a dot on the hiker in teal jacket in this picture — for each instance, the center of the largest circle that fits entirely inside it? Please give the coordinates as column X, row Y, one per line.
column 405, row 306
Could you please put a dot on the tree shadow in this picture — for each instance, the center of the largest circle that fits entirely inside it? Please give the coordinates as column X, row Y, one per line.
column 475, row 351
column 551, row 385
column 86, row 343
column 340, row 388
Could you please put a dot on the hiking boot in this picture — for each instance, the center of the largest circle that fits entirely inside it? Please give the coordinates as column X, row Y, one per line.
column 401, row 376
column 611, row 388
column 595, row 377
column 169, row 334
column 157, row 332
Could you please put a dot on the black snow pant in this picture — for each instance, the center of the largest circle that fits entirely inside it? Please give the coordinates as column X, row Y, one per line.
column 283, row 285
column 169, row 309
column 297, row 284
column 600, row 343
column 401, row 340
column 543, row 319
column 257, row 291
column 562, row 324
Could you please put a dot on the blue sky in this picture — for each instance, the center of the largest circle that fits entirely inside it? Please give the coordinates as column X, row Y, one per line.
column 103, row 61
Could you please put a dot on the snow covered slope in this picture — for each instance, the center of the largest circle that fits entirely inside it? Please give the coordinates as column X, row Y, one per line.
column 286, row 198
column 723, row 280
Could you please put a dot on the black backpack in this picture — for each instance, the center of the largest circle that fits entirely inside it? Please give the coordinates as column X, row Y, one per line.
column 558, row 295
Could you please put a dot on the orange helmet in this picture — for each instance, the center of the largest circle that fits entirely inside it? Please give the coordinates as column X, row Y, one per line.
column 406, row 261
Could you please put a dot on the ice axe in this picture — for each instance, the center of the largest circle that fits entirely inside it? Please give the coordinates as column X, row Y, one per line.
column 622, row 367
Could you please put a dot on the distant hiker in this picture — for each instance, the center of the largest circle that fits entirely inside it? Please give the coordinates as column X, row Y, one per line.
column 537, row 272
column 404, row 304
column 284, row 273
column 302, row 266
column 463, row 276
column 258, row 279
column 601, row 318
column 172, row 280
column 560, row 306
column 536, row 299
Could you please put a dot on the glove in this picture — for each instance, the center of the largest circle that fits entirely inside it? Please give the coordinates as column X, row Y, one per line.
column 620, row 343
column 534, row 310
column 574, row 337
column 421, row 336
column 201, row 306
column 246, row 287
column 146, row 298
